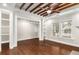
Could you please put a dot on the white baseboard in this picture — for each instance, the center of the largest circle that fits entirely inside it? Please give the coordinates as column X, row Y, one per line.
column 24, row 39
column 18, row 40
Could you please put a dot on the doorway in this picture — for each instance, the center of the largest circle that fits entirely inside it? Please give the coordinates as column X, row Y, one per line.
column 26, row 29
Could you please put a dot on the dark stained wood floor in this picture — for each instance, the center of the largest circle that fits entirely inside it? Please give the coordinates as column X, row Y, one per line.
column 36, row 47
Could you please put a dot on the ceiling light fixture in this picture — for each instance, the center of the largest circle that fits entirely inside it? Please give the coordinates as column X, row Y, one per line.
column 49, row 11
column 4, row 4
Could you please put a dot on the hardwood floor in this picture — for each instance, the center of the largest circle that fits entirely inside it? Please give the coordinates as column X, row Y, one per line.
column 36, row 47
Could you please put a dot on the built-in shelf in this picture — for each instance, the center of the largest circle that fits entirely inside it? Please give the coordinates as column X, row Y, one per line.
column 5, row 26
column 4, row 34
column 5, row 19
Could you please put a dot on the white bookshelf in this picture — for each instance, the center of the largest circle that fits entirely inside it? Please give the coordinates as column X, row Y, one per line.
column 5, row 27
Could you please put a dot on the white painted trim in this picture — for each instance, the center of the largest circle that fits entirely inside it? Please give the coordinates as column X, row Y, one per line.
column 64, row 41
column 15, row 30
column 41, row 30
column 0, row 31
column 11, row 31
column 24, row 39
column 18, row 40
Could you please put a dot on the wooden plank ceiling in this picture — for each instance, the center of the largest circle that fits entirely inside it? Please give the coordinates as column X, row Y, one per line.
column 42, row 8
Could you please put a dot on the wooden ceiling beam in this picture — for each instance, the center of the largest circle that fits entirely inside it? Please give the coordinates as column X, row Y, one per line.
column 63, row 6
column 54, row 7
column 53, row 11
column 44, row 10
column 37, row 7
column 47, row 5
column 43, row 13
column 29, row 6
column 22, row 5
column 67, row 6
column 60, row 6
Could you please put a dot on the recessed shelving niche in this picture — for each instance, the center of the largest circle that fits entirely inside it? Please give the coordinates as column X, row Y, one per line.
column 5, row 27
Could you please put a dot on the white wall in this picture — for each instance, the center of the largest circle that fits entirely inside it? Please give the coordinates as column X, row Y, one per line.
column 71, row 13
column 26, row 29
column 74, row 40
column 74, row 17
column 75, row 23
column 48, row 25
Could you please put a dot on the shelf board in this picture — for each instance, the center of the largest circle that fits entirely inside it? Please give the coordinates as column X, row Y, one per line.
column 4, row 34
column 6, row 26
column 5, row 19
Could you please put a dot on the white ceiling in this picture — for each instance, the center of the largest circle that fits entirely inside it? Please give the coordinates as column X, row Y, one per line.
column 9, row 4
column 27, row 4
column 17, row 6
